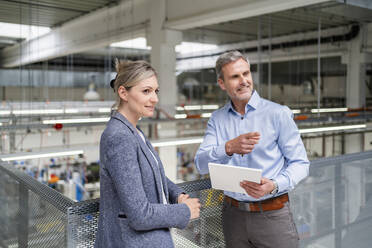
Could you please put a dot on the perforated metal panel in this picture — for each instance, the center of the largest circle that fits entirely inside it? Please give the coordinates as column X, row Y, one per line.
column 206, row 231
column 83, row 223
column 32, row 214
column 203, row 232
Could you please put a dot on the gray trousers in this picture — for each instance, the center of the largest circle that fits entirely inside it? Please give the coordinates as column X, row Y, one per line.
column 274, row 229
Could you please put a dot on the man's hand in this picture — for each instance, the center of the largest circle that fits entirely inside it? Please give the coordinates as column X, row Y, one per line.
column 242, row 144
column 258, row 190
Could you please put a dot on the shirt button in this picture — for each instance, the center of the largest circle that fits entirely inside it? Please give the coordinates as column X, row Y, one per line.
column 242, row 118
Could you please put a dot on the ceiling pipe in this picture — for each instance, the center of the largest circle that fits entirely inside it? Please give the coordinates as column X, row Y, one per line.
column 354, row 31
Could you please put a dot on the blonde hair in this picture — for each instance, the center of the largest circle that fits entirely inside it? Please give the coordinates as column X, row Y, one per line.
column 129, row 74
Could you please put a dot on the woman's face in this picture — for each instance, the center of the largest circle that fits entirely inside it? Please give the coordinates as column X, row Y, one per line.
column 142, row 98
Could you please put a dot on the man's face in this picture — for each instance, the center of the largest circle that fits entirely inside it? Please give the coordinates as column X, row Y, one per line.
column 237, row 80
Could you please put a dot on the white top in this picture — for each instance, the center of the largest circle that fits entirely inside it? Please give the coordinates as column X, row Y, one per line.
column 161, row 181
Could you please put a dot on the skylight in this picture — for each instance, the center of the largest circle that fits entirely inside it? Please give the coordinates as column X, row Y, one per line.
column 21, row 31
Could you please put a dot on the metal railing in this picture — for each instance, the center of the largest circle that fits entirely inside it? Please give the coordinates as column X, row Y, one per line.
column 331, row 208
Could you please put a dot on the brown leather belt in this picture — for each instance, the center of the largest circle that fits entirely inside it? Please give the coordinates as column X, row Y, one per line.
column 274, row 203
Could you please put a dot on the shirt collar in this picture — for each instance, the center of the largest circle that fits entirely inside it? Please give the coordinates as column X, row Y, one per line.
column 252, row 103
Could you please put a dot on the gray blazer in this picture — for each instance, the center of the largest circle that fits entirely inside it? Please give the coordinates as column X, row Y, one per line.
column 132, row 213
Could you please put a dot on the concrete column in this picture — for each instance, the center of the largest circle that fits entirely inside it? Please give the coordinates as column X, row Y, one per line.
column 356, row 74
column 163, row 59
column 353, row 143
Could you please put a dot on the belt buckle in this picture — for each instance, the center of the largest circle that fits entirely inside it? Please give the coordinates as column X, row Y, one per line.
column 244, row 206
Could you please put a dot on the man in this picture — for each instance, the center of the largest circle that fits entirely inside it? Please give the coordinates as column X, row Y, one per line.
column 250, row 131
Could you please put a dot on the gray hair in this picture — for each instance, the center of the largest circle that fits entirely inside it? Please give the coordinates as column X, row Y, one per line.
column 226, row 58
column 129, row 74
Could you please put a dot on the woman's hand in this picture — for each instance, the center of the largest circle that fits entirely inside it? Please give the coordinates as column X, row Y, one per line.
column 182, row 197
column 194, row 206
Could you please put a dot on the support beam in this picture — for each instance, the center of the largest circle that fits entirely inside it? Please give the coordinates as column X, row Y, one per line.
column 356, row 74
column 195, row 13
column 163, row 58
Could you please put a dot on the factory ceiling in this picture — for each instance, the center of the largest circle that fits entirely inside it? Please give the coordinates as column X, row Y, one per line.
column 48, row 13
column 52, row 13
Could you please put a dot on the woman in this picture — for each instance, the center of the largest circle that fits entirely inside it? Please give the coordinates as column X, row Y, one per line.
column 138, row 202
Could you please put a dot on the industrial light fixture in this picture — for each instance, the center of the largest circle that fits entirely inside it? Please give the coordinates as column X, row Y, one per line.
column 177, row 142
column 55, row 111
column 5, row 112
column 37, row 111
column 184, row 116
column 336, row 128
column 180, row 116
column 197, row 107
column 328, row 110
column 71, row 111
column 296, row 111
column 70, row 121
column 35, row 155
column 193, row 107
column 104, row 110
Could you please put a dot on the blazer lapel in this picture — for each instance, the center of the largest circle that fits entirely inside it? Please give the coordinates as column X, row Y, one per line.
column 161, row 169
column 157, row 172
column 155, row 167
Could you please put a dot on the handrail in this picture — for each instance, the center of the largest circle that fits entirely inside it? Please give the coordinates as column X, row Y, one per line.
column 55, row 198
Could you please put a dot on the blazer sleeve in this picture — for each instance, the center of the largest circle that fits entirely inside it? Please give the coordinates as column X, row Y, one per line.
column 123, row 167
column 174, row 191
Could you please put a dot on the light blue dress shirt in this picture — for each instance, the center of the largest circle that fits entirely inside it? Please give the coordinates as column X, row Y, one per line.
column 280, row 152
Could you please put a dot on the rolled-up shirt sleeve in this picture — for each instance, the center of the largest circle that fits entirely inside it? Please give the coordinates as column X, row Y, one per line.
column 290, row 143
column 210, row 150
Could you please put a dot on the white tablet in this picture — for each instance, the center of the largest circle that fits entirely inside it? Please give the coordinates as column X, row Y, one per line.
column 228, row 177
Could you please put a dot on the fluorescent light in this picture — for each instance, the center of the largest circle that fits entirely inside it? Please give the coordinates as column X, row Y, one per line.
column 5, row 112
column 37, row 111
column 206, row 115
column 177, row 142
column 209, row 106
column 197, row 107
column 22, row 31
column 137, row 43
column 328, row 110
column 71, row 111
column 296, row 111
column 180, row 116
column 326, row 129
column 104, row 110
column 192, row 107
column 188, row 47
column 31, row 155
column 69, row 121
